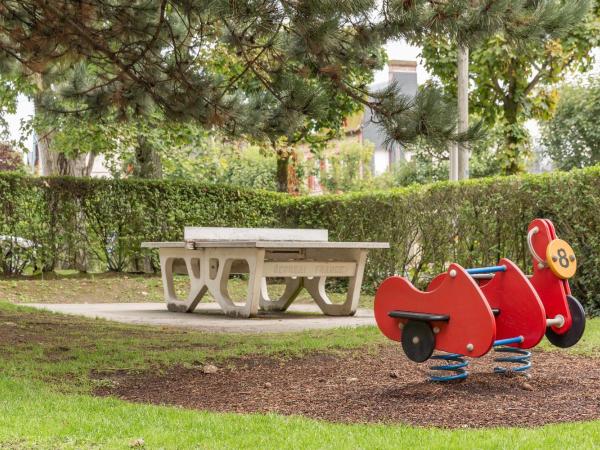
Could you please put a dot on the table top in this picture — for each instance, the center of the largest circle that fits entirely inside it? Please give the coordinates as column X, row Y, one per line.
column 265, row 244
column 254, row 234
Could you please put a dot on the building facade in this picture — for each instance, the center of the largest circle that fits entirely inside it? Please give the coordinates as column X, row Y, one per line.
column 404, row 74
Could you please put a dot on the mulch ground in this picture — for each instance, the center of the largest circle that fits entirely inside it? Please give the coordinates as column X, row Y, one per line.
column 382, row 386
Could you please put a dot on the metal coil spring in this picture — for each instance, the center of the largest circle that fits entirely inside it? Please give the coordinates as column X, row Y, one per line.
column 518, row 356
column 455, row 363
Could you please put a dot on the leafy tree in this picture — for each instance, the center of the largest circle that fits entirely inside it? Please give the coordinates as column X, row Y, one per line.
column 572, row 137
column 513, row 80
column 136, row 144
column 348, row 167
column 173, row 149
column 69, row 138
column 276, row 71
column 223, row 163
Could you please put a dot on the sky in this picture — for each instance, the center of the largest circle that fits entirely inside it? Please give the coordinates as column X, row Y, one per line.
column 24, row 111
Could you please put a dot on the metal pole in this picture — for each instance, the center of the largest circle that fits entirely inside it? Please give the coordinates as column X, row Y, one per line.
column 463, row 109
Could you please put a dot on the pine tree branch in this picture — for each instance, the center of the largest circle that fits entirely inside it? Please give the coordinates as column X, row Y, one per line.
column 161, row 19
column 87, row 36
column 263, row 81
column 265, row 47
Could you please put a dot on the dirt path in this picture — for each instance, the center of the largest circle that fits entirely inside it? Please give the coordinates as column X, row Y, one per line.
column 382, row 387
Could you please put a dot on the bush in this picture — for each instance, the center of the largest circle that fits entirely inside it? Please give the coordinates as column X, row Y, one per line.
column 102, row 222
column 474, row 223
column 248, row 166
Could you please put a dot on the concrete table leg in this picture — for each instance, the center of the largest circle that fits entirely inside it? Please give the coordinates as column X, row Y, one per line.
column 293, row 286
column 316, row 288
column 219, row 267
column 193, row 263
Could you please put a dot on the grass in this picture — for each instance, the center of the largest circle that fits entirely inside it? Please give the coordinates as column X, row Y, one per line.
column 589, row 345
column 47, row 360
column 74, row 287
column 63, row 350
column 34, row 416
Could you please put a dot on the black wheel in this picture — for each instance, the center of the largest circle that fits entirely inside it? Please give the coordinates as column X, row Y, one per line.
column 418, row 341
column 572, row 336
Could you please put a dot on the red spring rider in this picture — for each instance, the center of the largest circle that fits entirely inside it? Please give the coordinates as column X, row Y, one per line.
column 466, row 312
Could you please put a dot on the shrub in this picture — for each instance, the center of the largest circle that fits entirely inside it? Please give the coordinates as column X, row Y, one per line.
column 104, row 221
column 474, row 222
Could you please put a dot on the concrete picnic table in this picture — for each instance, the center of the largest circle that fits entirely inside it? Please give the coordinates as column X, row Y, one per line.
column 304, row 258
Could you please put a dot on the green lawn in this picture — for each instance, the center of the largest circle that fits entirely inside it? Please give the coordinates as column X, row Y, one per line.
column 46, row 401
column 62, row 349
column 33, row 416
column 108, row 287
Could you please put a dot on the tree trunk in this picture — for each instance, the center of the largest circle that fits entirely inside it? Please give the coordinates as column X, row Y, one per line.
column 54, row 163
column 515, row 136
column 283, row 160
column 514, row 140
column 463, row 110
column 511, row 158
column 59, row 164
column 147, row 160
column 459, row 153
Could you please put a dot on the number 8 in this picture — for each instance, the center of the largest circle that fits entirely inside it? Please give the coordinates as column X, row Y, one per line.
column 562, row 258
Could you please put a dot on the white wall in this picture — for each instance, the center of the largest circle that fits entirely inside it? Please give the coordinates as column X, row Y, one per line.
column 99, row 169
column 402, row 50
column 381, row 159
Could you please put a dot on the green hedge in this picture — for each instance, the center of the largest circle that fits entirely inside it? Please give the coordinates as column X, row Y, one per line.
column 91, row 223
column 473, row 223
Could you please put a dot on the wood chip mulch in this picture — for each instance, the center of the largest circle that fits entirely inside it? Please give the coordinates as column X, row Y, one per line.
column 378, row 386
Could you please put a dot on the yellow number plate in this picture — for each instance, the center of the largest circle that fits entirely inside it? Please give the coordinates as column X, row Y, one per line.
column 561, row 259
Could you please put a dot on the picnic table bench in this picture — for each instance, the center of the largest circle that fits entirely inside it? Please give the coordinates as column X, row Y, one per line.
column 303, row 258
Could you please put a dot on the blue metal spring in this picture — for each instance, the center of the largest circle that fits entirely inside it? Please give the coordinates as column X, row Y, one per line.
column 516, row 356
column 454, row 363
